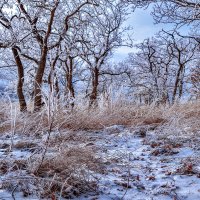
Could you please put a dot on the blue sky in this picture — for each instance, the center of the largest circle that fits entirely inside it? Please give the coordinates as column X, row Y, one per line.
column 143, row 27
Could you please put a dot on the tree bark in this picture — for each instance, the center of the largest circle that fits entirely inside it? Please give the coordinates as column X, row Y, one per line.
column 38, row 80
column 52, row 78
column 69, row 77
column 20, row 69
column 95, row 83
column 40, row 72
column 177, row 82
column 57, row 89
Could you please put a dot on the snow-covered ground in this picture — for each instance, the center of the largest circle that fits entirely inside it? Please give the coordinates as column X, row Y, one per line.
column 140, row 164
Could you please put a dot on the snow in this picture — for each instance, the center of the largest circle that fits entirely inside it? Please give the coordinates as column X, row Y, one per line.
column 136, row 169
column 146, row 173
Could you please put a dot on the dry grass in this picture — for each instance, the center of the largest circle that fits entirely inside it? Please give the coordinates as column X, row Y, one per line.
column 182, row 119
column 25, row 145
column 72, row 171
column 67, row 173
column 4, row 116
column 184, row 115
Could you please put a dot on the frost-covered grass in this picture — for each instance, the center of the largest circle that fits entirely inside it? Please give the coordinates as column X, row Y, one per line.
column 58, row 117
column 116, row 151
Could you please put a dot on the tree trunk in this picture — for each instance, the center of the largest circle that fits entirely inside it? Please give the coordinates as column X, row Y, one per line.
column 95, row 83
column 20, row 68
column 177, row 82
column 57, row 89
column 52, row 78
column 181, row 83
column 38, row 80
column 69, row 77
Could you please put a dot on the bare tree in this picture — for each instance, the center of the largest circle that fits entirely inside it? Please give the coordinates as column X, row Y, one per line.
column 162, row 66
column 183, row 51
column 102, row 36
column 42, row 21
column 195, row 81
column 11, row 41
column 179, row 12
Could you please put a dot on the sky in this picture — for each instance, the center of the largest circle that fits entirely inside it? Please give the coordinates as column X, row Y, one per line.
column 144, row 27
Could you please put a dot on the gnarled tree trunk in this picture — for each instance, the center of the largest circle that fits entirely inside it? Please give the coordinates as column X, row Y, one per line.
column 20, row 69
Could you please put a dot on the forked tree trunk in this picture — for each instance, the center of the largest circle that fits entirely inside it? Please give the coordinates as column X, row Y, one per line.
column 40, row 72
column 38, row 80
column 95, row 83
column 20, row 69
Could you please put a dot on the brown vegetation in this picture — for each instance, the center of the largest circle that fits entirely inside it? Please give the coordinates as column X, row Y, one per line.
column 182, row 116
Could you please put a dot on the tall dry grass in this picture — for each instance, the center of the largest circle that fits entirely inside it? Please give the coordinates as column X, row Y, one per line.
column 57, row 117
